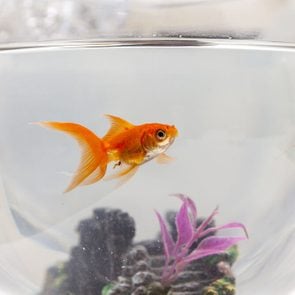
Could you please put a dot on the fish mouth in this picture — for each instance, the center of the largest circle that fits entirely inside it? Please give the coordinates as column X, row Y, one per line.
column 174, row 132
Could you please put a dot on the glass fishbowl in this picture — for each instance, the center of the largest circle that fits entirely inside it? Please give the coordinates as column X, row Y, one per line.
column 230, row 103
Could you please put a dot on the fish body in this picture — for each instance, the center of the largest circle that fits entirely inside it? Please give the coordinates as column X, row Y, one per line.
column 125, row 144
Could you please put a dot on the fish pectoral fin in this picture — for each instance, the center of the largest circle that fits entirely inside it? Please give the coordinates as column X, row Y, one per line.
column 164, row 159
column 118, row 125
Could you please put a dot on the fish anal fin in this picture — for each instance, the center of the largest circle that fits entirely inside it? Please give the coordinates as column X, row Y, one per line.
column 123, row 179
column 118, row 125
column 164, row 159
column 124, row 175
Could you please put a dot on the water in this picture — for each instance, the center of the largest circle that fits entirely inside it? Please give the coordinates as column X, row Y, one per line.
column 233, row 105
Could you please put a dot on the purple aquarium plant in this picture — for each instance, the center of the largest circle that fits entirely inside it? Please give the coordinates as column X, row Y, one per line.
column 178, row 254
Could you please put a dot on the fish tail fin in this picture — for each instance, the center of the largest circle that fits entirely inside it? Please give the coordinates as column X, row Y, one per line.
column 94, row 159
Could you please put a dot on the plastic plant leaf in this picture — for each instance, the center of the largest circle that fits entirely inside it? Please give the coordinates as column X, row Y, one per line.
column 225, row 226
column 191, row 205
column 205, row 223
column 168, row 243
column 184, row 226
column 107, row 289
column 213, row 245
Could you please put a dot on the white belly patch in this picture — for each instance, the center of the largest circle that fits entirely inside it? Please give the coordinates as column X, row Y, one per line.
column 155, row 152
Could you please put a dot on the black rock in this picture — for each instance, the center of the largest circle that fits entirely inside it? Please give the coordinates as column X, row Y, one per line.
column 97, row 260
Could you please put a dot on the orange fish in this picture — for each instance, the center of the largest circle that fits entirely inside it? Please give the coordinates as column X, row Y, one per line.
column 124, row 143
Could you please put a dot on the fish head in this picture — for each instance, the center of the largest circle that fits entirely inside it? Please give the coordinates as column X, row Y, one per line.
column 157, row 138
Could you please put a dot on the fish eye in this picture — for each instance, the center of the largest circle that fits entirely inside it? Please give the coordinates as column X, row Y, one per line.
column 161, row 134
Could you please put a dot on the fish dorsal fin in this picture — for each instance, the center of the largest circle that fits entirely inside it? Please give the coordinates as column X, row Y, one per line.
column 118, row 126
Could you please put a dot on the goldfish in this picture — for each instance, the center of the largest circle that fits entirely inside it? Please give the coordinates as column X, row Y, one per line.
column 124, row 144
